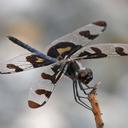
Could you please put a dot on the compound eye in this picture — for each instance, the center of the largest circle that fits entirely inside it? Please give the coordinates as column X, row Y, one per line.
column 88, row 79
column 83, row 73
column 85, row 76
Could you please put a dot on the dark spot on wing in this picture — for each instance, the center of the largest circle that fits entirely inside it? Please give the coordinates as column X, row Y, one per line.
column 55, row 76
column 97, row 54
column 12, row 66
column 37, row 61
column 101, row 23
column 33, row 104
column 45, row 92
column 62, row 49
column 56, row 67
column 96, row 50
column 120, row 51
column 49, row 77
column 88, row 35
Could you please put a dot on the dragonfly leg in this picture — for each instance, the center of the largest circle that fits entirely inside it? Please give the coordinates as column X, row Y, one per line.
column 77, row 97
column 88, row 89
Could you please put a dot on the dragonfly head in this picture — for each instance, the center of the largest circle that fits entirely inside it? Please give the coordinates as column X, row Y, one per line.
column 85, row 75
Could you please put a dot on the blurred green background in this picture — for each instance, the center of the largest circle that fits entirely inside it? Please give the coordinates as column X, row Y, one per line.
column 39, row 22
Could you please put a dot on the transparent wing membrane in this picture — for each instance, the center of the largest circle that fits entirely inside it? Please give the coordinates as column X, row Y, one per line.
column 71, row 42
column 42, row 90
column 101, row 51
column 22, row 63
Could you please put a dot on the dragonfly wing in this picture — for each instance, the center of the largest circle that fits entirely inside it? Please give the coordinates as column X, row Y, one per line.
column 101, row 51
column 75, row 40
column 41, row 92
column 64, row 46
column 22, row 63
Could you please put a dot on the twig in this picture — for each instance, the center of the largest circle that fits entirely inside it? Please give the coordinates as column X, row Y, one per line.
column 92, row 97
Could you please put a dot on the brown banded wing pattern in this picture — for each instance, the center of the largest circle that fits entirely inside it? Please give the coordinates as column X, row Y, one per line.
column 65, row 45
column 72, row 42
column 41, row 91
column 66, row 51
column 101, row 51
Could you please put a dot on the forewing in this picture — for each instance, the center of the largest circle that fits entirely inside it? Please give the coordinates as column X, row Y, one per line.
column 22, row 63
column 101, row 51
column 42, row 90
column 64, row 46
column 70, row 43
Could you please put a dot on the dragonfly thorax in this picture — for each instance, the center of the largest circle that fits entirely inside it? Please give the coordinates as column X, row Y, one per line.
column 74, row 71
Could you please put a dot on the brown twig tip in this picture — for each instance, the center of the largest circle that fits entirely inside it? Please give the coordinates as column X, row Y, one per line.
column 95, row 107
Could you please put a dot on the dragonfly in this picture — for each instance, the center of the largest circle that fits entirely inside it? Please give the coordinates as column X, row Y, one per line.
column 63, row 59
